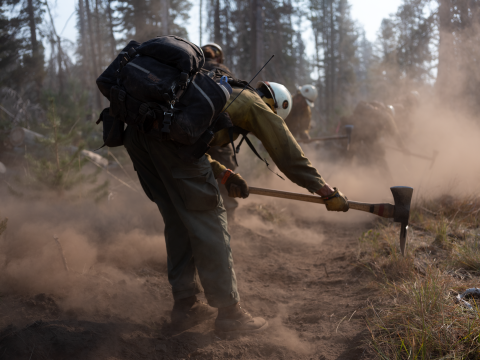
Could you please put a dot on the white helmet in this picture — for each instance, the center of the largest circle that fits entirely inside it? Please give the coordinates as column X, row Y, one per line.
column 276, row 96
column 310, row 93
column 217, row 49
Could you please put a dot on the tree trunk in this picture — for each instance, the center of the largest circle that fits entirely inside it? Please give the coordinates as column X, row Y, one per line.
column 253, row 35
column 56, row 38
column 332, row 61
column 93, row 57
column 228, row 35
column 165, row 15
column 37, row 62
column 200, row 28
column 113, row 42
column 445, row 50
column 98, row 38
column 217, row 31
column 260, row 16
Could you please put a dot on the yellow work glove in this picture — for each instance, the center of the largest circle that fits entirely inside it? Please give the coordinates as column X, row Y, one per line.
column 336, row 202
column 235, row 184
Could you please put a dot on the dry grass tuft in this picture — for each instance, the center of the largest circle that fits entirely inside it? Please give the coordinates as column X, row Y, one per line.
column 424, row 322
column 422, row 319
column 3, row 226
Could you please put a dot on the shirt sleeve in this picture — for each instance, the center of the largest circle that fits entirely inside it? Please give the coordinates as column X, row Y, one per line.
column 253, row 115
column 217, row 168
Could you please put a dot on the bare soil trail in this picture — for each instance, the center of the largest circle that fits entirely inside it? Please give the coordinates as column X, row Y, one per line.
column 312, row 293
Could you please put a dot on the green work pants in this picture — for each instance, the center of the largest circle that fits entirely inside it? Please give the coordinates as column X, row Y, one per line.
column 189, row 200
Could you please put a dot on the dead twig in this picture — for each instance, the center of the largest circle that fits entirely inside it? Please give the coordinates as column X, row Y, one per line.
column 60, row 249
column 429, row 211
column 121, row 166
column 116, row 178
column 336, row 330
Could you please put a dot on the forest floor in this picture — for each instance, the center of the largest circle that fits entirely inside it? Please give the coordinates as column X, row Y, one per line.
column 329, row 289
column 300, row 275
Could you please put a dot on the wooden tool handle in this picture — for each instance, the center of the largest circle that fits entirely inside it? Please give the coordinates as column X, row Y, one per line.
column 307, row 141
column 383, row 210
column 286, row 195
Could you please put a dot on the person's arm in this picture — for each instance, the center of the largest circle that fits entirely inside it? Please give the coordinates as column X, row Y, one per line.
column 217, row 168
column 250, row 113
column 271, row 130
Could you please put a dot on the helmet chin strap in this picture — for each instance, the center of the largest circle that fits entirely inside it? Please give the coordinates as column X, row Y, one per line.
column 270, row 103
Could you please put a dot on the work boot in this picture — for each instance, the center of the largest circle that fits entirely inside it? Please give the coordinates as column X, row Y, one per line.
column 236, row 320
column 189, row 312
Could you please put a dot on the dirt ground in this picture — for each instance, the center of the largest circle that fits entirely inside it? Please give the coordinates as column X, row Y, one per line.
column 298, row 272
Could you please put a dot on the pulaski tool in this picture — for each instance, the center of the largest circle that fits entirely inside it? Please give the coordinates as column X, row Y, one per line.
column 400, row 212
column 406, row 152
column 347, row 136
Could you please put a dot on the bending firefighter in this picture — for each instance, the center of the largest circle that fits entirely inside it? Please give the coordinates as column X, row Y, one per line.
column 184, row 188
column 300, row 118
column 187, row 195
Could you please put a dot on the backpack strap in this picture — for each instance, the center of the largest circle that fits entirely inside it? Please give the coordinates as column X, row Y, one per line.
column 244, row 132
column 126, row 58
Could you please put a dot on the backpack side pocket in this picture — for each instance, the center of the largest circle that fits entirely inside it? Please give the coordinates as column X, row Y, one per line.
column 113, row 129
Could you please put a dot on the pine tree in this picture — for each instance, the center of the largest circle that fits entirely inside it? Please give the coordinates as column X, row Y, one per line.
column 405, row 45
column 146, row 19
column 251, row 31
column 58, row 166
column 458, row 81
column 336, row 56
column 21, row 50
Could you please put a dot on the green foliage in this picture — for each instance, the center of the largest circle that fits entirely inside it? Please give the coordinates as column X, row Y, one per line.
column 336, row 56
column 60, row 167
column 405, row 51
column 142, row 18
column 21, row 56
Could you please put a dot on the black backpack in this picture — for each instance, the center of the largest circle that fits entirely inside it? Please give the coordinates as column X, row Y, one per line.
column 158, row 87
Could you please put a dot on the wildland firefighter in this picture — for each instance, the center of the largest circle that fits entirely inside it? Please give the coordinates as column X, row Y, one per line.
column 300, row 117
column 184, row 188
column 214, row 59
column 374, row 125
column 405, row 108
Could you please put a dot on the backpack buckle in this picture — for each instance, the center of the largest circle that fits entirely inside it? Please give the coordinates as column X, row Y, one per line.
column 167, row 121
column 183, row 80
column 122, row 95
column 144, row 108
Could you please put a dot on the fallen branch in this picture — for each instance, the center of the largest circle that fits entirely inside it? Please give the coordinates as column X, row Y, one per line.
column 60, row 249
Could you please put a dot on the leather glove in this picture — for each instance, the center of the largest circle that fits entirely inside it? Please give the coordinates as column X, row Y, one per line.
column 236, row 185
column 336, row 202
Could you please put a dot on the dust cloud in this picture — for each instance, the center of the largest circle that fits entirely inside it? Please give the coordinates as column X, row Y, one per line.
column 109, row 251
column 456, row 170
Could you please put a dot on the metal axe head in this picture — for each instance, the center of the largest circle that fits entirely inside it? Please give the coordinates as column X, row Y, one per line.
column 402, row 196
column 348, row 132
